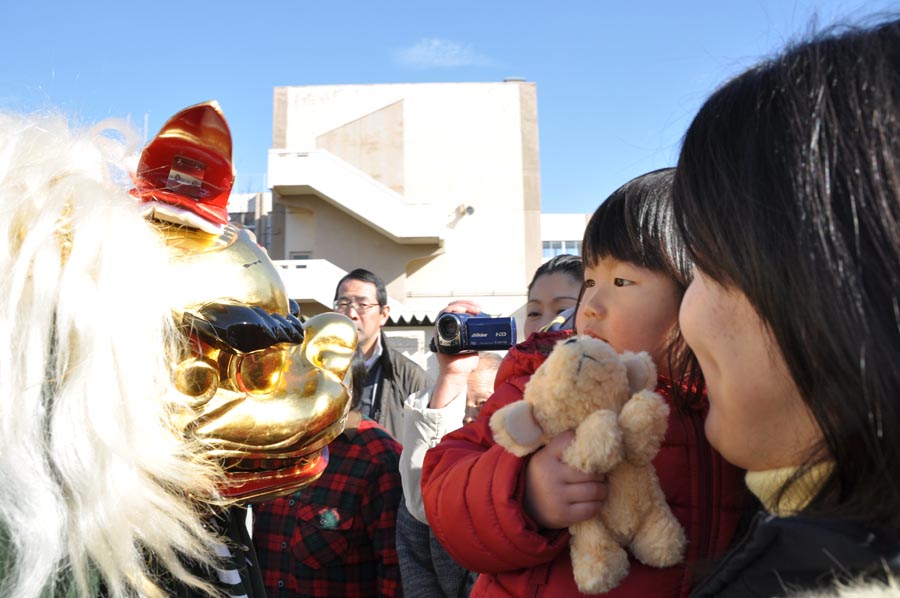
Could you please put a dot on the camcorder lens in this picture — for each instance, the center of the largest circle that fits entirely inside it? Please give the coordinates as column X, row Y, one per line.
column 448, row 327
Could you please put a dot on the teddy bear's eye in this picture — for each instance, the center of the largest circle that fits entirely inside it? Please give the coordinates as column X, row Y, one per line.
column 570, row 341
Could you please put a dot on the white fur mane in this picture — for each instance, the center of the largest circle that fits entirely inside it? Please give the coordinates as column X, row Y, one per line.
column 95, row 481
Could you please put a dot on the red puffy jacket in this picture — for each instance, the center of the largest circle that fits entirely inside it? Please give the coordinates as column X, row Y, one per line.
column 473, row 493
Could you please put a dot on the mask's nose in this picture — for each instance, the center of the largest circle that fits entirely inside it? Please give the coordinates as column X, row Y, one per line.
column 330, row 342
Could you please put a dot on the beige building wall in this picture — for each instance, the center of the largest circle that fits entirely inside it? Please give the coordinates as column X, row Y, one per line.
column 315, row 226
column 373, row 143
column 441, row 147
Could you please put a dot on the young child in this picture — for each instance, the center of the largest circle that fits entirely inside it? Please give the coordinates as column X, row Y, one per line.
column 788, row 190
column 462, row 383
column 507, row 517
column 336, row 537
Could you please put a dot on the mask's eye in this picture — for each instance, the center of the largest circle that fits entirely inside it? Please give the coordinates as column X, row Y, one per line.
column 198, row 378
column 259, row 372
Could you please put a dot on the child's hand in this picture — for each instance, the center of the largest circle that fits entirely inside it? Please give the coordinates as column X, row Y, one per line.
column 558, row 495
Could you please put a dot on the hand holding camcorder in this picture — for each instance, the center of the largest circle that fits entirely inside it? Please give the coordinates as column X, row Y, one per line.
column 465, row 333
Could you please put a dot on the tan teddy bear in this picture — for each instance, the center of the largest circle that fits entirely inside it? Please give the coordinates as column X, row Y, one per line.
column 619, row 423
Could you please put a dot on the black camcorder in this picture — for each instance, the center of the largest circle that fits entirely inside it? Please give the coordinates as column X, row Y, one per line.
column 464, row 333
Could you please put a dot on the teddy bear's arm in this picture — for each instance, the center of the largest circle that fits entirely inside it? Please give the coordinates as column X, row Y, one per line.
column 597, row 446
column 516, row 430
column 643, row 421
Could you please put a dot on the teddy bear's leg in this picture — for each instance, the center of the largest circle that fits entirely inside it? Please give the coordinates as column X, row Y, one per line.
column 643, row 420
column 598, row 562
column 659, row 540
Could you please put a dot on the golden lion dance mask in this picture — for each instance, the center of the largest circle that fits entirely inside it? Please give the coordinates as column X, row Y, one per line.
column 267, row 393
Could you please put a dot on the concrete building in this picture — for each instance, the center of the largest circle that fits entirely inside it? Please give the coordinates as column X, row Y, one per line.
column 435, row 187
column 562, row 233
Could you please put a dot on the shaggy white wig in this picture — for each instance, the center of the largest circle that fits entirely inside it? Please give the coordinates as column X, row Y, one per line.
column 96, row 483
column 857, row 589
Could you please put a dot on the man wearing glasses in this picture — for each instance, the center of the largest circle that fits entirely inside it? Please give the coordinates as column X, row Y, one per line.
column 390, row 376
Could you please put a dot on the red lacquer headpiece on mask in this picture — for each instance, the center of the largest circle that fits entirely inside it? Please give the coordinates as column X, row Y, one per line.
column 185, row 174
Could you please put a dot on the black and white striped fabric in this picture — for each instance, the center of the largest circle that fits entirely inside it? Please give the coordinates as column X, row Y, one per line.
column 238, row 574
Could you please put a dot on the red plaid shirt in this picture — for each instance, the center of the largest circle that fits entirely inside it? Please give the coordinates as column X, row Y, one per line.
column 336, row 537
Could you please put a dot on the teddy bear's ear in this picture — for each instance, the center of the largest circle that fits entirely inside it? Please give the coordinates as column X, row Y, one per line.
column 641, row 371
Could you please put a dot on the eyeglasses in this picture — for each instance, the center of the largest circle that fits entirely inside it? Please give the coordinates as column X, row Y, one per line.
column 344, row 306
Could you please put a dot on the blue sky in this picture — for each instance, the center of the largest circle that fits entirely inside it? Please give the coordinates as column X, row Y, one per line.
column 618, row 82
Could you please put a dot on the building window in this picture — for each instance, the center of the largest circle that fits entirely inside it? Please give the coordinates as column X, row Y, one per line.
column 300, row 255
column 554, row 248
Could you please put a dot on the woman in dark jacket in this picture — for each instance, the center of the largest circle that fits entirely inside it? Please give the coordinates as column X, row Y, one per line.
column 788, row 195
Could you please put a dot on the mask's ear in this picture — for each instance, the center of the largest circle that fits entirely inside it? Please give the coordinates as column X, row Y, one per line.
column 641, row 371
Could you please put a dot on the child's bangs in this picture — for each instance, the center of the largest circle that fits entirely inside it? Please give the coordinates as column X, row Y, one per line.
column 638, row 238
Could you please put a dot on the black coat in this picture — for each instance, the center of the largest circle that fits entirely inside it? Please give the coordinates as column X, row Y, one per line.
column 780, row 556
column 400, row 377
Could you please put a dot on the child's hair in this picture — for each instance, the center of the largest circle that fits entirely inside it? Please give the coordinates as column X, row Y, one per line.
column 636, row 225
column 788, row 190
column 357, row 379
column 565, row 263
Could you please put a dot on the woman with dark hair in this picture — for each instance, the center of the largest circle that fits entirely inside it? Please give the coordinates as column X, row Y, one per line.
column 788, row 197
column 553, row 293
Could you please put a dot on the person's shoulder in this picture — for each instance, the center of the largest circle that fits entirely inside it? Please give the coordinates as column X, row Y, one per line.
column 807, row 542
column 816, row 555
column 396, row 356
column 538, row 346
column 406, row 369
column 523, row 359
column 403, row 361
column 838, row 531
column 370, row 432
column 542, row 342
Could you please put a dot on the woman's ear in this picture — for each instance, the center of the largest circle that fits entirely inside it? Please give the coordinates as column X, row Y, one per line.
column 641, row 371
